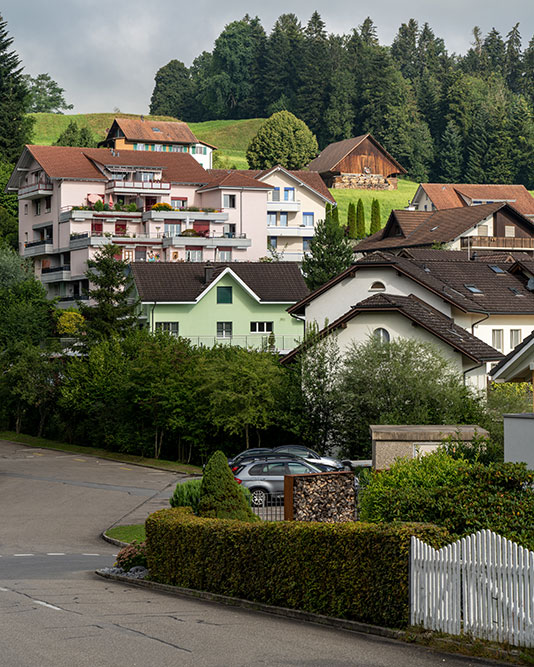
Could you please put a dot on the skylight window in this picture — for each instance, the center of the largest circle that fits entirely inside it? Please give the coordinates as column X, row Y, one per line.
column 496, row 269
column 156, row 129
column 434, row 228
column 515, row 291
column 473, row 289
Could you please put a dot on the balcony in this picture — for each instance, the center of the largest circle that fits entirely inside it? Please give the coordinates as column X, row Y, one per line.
column 138, row 187
column 497, row 243
column 184, row 214
column 282, row 343
column 80, row 215
column 36, row 248
column 300, row 232
column 291, row 205
column 55, row 274
column 36, row 190
column 213, row 240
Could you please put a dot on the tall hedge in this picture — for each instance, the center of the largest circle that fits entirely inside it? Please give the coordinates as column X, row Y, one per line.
column 347, row 570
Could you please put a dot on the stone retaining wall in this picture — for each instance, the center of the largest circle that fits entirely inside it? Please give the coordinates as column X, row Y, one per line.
column 328, row 497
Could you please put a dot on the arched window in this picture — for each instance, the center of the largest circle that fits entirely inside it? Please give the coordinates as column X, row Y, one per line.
column 382, row 335
column 377, row 286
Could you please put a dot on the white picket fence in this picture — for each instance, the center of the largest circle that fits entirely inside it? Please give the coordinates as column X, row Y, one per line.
column 482, row 585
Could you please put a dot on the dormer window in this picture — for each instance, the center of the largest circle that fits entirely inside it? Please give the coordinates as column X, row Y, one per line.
column 377, row 286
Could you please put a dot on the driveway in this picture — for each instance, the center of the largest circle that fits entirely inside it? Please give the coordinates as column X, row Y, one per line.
column 56, row 612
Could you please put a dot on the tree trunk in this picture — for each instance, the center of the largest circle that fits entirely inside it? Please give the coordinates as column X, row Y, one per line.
column 42, row 419
column 246, row 437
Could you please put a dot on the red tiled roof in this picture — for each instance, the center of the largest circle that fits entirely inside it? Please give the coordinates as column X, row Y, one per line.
column 80, row 163
column 185, row 281
column 448, row 195
column 233, row 179
column 135, row 129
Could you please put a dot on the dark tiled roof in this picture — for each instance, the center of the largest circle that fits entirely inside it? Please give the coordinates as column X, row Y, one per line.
column 437, row 227
column 448, row 195
column 185, row 281
column 233, row 179
column 80, row 163
column 425, row 316
column 514, row 353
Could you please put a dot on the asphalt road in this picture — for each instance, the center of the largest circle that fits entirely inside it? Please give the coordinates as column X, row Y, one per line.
column 54, row 611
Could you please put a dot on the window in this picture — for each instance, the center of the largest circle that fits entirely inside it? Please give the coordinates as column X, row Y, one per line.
column 483, row 230
column 306, row 243
column 193, row 254
column 272, row 241
column 140, row 254
column 261, row 327
column 228, row 201
column 158, row 147
column 382, row 335
column 377, row 286
column 147, row 176
column 289, row 194
column 515, row 337
column 509, row 231
column 168, row 327
column 271, row 219
column 276, row 194
column 178, row 202
column 224, row 255
column 496, row 339
column 496, row 269
column 473, row 289
column 48, row 204
column 283, row 219
column 156, row 129
column 25, row 209
column 172, row 230
column 224, row 295
column 224, row 329
column 37, row 207
column 515, row 291
column 307, row 219
column 298, row 468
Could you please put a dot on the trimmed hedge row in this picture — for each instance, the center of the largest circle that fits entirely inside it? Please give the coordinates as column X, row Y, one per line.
column 357, row 571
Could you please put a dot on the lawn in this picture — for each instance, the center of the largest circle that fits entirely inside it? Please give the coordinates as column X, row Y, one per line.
column 44, row 443
column 135, row 532
column 389, row 200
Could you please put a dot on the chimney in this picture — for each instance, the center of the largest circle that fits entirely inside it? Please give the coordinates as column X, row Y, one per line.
column 208, row 273
column 473, row 257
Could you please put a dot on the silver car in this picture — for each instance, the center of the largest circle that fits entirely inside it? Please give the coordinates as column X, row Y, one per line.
column 310, row 456
column 266, row 478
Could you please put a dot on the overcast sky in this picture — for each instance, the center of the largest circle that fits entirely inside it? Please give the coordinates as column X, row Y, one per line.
column 105, row 53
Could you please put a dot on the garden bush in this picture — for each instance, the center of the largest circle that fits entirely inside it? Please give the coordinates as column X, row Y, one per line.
column 347, row 570
column 134, row 555
column 220, row 495
column 460, row 495
column 187, row 494
column 162, row 206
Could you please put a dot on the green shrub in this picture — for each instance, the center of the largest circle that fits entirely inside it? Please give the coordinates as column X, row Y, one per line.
column 459, row 495
column 220, row 495
column 118, row 207
column 187, row 494
column 348, row 570
column 131, row 556
column 132, row 208
column 190, row 232
column 99, row 205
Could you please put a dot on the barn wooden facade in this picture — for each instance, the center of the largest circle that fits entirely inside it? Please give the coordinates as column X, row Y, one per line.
column 360, row 162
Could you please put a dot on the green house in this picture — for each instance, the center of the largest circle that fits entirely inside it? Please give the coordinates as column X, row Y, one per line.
column 240, row 303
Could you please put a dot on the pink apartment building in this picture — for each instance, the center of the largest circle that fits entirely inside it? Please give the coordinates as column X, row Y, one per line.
column 62, row 191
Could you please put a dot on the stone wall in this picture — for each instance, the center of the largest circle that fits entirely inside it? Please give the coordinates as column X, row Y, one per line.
column 328, row 497
column 363, row 182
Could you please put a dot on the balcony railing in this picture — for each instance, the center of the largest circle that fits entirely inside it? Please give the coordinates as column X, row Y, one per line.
column 282, row 342
column 44, row 187
column 149, row 186
column 55, row 269
column 34, row 244
column 507, row 242
column 74, row 297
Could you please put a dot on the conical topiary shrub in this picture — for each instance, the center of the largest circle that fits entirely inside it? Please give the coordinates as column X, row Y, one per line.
column 220, row 496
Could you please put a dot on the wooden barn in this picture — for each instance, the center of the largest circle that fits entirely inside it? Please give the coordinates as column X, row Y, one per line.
column 359, row 163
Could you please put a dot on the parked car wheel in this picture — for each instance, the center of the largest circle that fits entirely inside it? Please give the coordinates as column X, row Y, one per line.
column 258, row 497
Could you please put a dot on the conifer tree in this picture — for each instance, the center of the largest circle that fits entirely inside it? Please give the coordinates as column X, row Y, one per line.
column 513, row 66
column 15, row 126
column 475, row 170
column 360, row 219
column 335, row 214
column 330, row 253
column 376, row 222
column 451, row 154
column 351, row 221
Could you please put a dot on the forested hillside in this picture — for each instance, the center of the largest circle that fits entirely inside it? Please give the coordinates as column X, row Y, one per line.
column 444, row 116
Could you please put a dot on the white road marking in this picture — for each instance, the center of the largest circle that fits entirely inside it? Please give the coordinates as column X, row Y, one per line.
column 90, row 554
column 5, row 590
column 23, row 554
column 45, row 604
column 55, row 554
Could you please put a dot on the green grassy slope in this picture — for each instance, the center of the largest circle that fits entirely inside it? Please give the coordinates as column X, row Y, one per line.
column 389, row 200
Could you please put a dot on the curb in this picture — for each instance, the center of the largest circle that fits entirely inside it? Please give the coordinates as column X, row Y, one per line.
column 296, row 614
column 112, row 540
column 448, row 646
